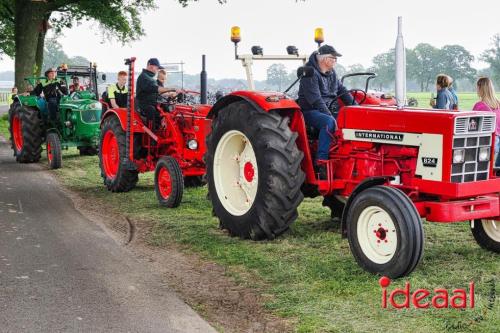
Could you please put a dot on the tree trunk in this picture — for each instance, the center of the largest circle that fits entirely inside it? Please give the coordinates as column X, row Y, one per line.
column 29, row 16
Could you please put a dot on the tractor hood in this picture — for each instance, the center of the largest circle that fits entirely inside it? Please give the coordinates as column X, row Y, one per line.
column 81, row 104
column 414, row 120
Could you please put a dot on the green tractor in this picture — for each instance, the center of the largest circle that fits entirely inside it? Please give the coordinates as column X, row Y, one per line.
column 77, row 124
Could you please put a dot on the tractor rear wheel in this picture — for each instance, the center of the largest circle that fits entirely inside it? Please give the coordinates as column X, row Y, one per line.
column 253, row 171
column 169, row 182
column 385, row 232
column 54, row 152
column 487, row 234
column 117, row 177
column 25, row 133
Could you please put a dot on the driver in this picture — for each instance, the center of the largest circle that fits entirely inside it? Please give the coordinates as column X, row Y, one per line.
column 316, row 93
column 52, row 90
column 148, row 91
column 76, row 85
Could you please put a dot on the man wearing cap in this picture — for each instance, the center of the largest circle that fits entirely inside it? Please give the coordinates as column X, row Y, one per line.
column 148, row 91
column 52, row 91
column 316, row 94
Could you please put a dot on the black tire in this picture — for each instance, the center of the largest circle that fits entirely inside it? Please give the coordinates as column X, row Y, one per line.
column 32, row 134
column 194, row 181
column 54, row 151
column 408, row 230
column 125, row 179
column 87, row 151
column 488, row 238
column 172, row 196
column 280, row 175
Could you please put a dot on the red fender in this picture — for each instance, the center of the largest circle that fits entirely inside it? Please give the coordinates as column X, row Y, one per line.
column 121, row 113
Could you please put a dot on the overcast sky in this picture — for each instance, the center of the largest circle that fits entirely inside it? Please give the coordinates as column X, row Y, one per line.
column 358, row 29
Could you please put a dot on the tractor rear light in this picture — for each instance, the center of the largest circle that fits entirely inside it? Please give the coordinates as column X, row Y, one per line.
column 458, row 156
column 192, row 144
column 484, row 154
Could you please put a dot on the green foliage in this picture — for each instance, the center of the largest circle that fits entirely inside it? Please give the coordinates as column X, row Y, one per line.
column 54, row 55
column 384, row 67
column 492, row 57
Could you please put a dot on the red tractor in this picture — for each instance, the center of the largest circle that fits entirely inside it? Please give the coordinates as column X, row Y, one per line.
column 175, row 152
column 389, row 167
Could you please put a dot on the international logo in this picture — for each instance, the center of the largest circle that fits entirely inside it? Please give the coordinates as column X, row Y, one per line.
column 473, row 124
column 379, row 136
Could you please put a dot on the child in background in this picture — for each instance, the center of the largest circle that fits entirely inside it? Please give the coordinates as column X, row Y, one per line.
column 444, row 99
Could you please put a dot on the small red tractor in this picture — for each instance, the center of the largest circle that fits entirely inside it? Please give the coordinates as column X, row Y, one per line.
column 175, row 152
column 389, row 168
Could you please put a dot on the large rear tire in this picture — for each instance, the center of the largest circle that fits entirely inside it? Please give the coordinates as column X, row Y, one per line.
column 169, row 182
column 253, row 171
column 115, row 174
column 25, row 133
column 54, row 151
column 487, row 234
column 385, row 232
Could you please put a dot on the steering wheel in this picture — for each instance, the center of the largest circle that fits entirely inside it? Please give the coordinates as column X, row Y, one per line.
column 354, row 93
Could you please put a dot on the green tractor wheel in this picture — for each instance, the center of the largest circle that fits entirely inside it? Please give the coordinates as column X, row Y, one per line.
column 25, row 133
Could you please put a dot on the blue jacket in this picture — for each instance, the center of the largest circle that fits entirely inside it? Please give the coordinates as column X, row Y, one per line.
column 444, row 100
column 318, row 91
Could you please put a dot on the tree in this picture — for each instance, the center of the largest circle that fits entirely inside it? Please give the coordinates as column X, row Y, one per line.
column 53, row 56
column 456, row 62
column 355, row 82
column 27, row 22
column 492, row 57
column 384, row 66
column 423, row 64
column 277, row 76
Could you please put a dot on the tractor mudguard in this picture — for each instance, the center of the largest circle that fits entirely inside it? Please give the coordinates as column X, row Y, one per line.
column 365, row 184
column 121, row 114
column 265, row 101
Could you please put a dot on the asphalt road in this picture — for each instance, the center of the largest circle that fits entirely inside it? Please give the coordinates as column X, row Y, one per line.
column 60, row 272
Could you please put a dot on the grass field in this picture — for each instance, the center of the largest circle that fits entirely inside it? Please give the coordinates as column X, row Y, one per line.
column 466, row 100
column 309, row 275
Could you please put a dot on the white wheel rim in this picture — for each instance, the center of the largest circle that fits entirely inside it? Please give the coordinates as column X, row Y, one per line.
column 377, row 235
column 492, row 229
column 235, row 173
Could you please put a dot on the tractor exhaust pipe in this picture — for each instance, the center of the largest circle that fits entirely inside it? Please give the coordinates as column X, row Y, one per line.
column 400, row 67
column 203, row 83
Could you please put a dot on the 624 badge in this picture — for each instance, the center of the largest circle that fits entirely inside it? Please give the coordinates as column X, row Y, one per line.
column 430, row 161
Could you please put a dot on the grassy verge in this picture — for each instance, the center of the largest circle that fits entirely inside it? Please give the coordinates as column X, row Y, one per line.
column 309, row 274
column 466, row 100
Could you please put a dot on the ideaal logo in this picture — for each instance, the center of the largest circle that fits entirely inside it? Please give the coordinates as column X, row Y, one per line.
column 423, row 298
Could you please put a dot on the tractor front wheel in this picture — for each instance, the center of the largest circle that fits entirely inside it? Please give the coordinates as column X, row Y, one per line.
column 385, row 232
column 54, row 152
column 253, row 171
column 169, row 182
column 117, row 177
column 487, row 234
column 25, row 133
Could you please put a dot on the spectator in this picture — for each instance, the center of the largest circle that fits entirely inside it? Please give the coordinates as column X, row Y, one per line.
column 444, row 99
column 453, row 93
column 12, row 96
column 489, row 102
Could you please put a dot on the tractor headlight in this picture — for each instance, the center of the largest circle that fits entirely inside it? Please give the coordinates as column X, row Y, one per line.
column 458, row 156
column 484, row 154
column 95, row 105
column 193, row 144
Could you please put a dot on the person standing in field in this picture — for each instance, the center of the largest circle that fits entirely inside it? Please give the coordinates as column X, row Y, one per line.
column 444, row 99
column 489, row 102
column 453, row 93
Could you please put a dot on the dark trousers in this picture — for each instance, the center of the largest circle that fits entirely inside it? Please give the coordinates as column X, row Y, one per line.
column 152, row 115
column 326, row 124
column 53, row 107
